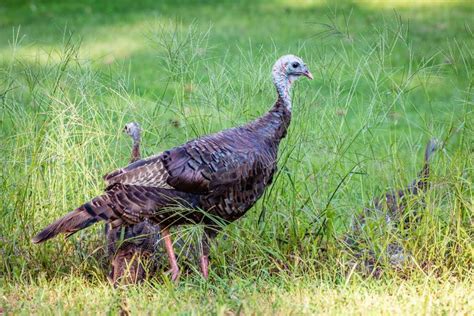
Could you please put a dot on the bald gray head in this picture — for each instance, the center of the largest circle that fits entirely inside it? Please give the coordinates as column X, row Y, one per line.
column 433, row 145
column 287, row 70
column 133, row 130
column 290, row 66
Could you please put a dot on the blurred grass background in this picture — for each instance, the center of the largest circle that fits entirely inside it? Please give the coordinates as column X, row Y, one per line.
column 389, row 75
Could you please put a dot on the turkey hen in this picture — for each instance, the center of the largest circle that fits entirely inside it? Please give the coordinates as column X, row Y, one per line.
column 392, row 207
column 132, row 249
column 395, row 202
column 209, row 180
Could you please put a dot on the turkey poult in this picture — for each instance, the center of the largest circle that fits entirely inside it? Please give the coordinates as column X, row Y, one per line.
column 133, row 249
column 394, row 207
column 395, row 202
column 209, row 180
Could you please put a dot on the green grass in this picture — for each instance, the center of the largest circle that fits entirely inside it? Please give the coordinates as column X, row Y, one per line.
column 386, row 81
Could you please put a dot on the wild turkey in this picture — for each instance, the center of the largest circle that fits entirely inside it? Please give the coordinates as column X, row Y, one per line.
column 132, row 249
column 136, row 252
column 392, row 208
column 209, row 180
column 395, row 202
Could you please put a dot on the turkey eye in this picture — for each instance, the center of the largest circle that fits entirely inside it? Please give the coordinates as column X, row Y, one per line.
column 295, row 65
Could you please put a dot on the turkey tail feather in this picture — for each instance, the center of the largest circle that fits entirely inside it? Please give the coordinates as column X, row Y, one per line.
column 82, row 217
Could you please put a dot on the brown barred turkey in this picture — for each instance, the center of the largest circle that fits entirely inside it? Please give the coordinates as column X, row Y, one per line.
column 394, row 208
column 211, row 180
column 133, row 249
column 396, row 202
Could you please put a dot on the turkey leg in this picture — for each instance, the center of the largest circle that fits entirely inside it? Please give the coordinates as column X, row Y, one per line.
column 209, row 233
column 204, row 264
column 171, row 255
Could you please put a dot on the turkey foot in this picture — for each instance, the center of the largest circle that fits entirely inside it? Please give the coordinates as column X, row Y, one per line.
column 171, row 255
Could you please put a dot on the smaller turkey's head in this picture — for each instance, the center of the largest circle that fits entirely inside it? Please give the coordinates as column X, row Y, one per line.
column 133, row 130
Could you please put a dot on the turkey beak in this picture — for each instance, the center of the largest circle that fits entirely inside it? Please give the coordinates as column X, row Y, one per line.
column 308, row 74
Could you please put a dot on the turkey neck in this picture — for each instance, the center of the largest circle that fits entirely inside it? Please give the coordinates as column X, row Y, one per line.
column 135, row 151
column 273, row 125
